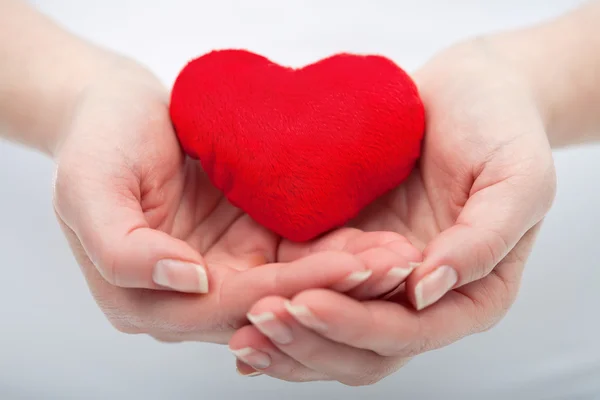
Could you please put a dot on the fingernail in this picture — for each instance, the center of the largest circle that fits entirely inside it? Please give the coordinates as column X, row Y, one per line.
column 352, row 281
column 181, row 276
column 401, row 288
column 392, row 279
column 272, row 327
column 434, row 286
column 306, row 317
column 254, row 358
column 250, row 375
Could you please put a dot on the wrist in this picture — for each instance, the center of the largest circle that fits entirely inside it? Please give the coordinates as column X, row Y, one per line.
column 560, row 62
column 43, row 70
column 81, row 65
column 82, row 68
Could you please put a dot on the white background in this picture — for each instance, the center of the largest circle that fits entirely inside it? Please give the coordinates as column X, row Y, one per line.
column 55, row 343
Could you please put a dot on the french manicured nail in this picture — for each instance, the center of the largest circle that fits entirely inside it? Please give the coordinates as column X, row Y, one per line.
column 392, row 279
column 306, row 317
column 181, row 276
column 272, row 327
column 254, row 358
column 352, row 281
column 250, row 375
column 434, row 286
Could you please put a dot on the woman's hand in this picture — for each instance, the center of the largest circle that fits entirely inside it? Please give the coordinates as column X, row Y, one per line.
column 162, row 250
column 485, row 181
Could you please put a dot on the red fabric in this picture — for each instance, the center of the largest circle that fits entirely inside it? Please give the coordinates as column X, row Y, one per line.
column 302, row 151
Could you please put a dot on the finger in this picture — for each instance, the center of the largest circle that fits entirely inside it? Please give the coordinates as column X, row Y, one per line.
column 390, row 269
column 256, row 353
column 378, row 326
column 109, row 222
column 109, row 297
column 493, row 220
column 336, row 270
column 391, row 329
column 389, row 255
column 234, row 292
column 343, row 363
column 246, row 370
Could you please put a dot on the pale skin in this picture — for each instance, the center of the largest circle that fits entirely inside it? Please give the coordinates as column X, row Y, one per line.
column 468, row 215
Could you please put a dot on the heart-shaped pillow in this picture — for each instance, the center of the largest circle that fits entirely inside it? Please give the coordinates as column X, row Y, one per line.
column 302, row 151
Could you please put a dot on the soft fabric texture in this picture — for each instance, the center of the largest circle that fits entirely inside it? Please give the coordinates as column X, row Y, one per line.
column 302, row 151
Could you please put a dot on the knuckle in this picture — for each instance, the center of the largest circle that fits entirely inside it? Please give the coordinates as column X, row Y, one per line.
column 486, row 311
column 181, row 323
column 491, row 248
column 391, row 349
column 359, row 336
column 494, row 246
column 507, row 297
column 117, row 313
column 366, row 378
column 292, row 372
column 124, row 326
column 502, row 299
column 373, row 372
column 313, row 353
column 490, row 302
column 421, row 346
column 356, row 382
column 107, row 266
column 105, row 261
column 168, row 328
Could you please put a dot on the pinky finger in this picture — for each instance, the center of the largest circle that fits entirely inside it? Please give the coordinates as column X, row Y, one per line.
column 257, row 355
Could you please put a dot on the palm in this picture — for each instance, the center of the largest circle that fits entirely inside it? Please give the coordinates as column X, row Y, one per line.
column 133, row 167
column 192, row 209
column 184, row 203
column 406, row 210
column 178, row 198
column 195, row 211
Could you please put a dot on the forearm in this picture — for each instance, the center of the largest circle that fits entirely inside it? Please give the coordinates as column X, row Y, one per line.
column 561, row 60
column 43, row 69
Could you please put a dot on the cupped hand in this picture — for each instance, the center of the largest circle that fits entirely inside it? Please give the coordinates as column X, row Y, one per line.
column 485, row 181
column 162, row 250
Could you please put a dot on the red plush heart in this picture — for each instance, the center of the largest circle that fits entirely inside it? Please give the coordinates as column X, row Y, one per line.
column 302, row 151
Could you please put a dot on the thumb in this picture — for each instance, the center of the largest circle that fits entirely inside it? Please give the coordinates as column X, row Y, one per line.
column 489, row 226
column 108, row 220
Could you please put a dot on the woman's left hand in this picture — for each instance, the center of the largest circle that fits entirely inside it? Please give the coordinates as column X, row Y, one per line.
column 485, row 181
